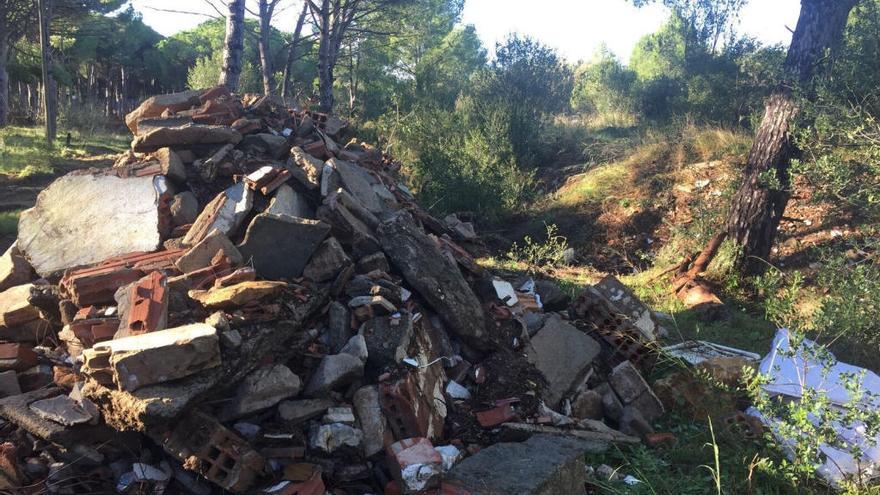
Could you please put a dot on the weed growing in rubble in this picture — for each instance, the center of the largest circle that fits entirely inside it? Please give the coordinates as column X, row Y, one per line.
column 549, row 252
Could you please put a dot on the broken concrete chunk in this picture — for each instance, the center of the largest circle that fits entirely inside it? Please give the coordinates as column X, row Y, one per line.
column 289, row 202
column 434, row 276
column 634, row 391
column 184, row 208
column 265, row 144
column 262, row 389
column 357, row 347
column 141, row 360
column 563, row 354
column 332, row 437
column 542, row 465
column 200, row 255
column 122, row 215
column 15, row 309
column 236, row 295
column 170, row 164
column 294, row 412
column 373, row 262
column 415, row 464
column 184, row 135
column 62, row 410
column 14, row 268
column 388, row 339
column 347, row 228
column 334, row 371
column 279, row 246
column 359, row 183
column 344, row 415
column 311, row 166
column 225, row 213
column 327, row 261
column 155, row 106
column 372, row 421
column 587, row 405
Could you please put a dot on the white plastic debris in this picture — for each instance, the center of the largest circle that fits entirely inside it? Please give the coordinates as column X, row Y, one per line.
column 504, row 291
column 457, row 391
column 697, row 351
column 792, row 373
column 450, row 455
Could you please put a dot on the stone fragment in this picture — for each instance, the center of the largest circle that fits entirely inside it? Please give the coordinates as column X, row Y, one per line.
column 184, row 208
column 14, row 268
column 15, row 309
column 552, row 297
column 155, row 106
column 332, row 437
column 463, row 230
column 634, row 391
column 587, row 405
column 338, row 326
column 632, row 422
column 184, row 134
column 563, row 354
column 265, row 144
column 334, row 371
column 9, row 384
column 372, row 421
column 225, row 213
column 231, row 339
column 343, row 415
column 435, row 277
column 122, row 214
column 294, row 412
column 542, row 465
column 236, row 295
column 347, row 228
column 141, row 360
column 262, row 389
column 357, row 347
column 327, row 261
column 611, row 406
column 311, row 166
column 415, row 465
column 287, row 201
column 450, row 455
column 388, row 339
column 62, row 410
column 200, row 255
column 359, row 183
column 279, row 246
column 170, row 164
column 373, row 262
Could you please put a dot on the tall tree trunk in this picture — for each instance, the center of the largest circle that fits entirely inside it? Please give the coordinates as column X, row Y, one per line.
column 233, row 45
column 287, row 82
column 50, row 98
column 760, row 201
column 325, row 60
column 4, row 79
column 266, row 10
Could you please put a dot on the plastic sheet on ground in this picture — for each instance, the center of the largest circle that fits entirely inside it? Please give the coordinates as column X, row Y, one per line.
column 791, row 373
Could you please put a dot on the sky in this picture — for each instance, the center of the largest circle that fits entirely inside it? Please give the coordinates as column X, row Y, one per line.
column 574, row 27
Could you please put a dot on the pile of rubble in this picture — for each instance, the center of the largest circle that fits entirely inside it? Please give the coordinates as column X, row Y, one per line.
column 241, row 303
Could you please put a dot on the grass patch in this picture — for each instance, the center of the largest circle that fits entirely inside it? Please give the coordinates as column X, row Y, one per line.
column 24, row 153
column 8, row 222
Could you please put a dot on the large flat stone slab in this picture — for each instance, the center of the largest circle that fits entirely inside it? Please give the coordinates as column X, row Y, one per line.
column 543, row 465
column 280, row 246
column 434, row 276
column 82, row 219
column 185, row 135
column 563, row 354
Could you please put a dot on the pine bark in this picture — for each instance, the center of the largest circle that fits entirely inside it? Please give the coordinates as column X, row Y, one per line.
column 266, row 10
column 287, row 81
column 4, row 79
column 761, row 199
column 233, row 45
column 326, row 59
column 50, row 97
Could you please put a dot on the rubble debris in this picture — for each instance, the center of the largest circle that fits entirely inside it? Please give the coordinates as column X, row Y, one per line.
column 542, row 465
column 266, row 248
column 262, row 389
column 53, row 236
column 14, row 268
column 563, row 354
column 310, row 323
column 698, row 351
column 141, row 360
column 439, row 281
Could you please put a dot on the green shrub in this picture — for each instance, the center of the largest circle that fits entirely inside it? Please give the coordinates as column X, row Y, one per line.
column 550, row 252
